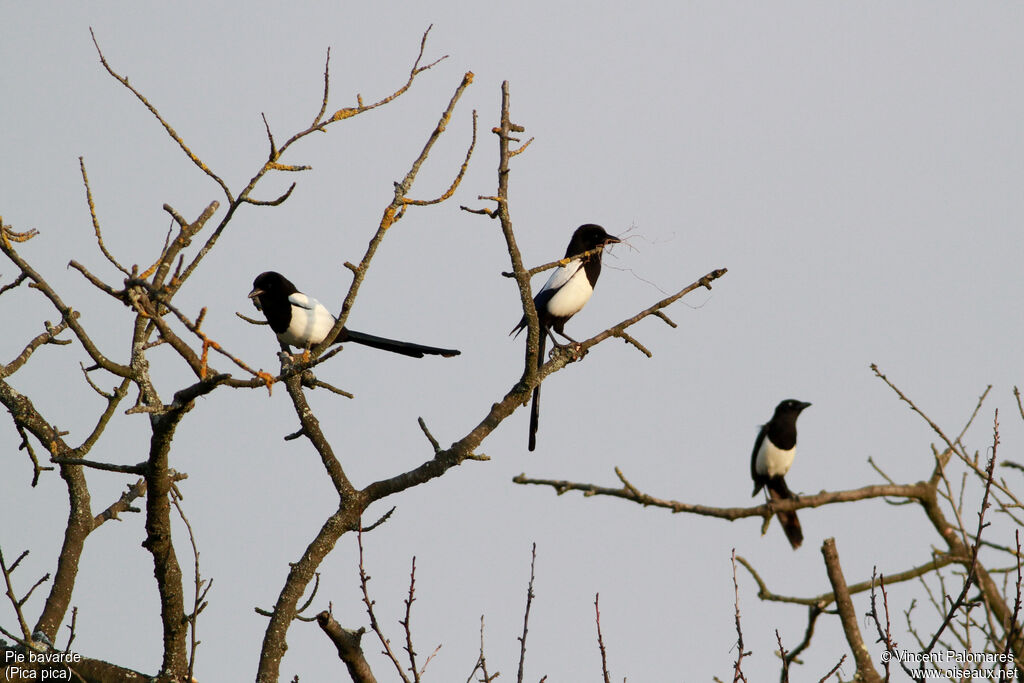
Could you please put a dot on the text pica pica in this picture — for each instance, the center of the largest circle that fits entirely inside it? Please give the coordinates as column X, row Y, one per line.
column 564, row 295
column 303, row 322
column 773, row 454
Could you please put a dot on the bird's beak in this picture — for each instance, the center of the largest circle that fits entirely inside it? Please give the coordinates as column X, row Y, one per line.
column 254, row 295
column 611, row 239
column 804, row 405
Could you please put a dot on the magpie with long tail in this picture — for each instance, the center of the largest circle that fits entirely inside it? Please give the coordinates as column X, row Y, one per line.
column 303, row 322
column 564, row 295
column 771, row 459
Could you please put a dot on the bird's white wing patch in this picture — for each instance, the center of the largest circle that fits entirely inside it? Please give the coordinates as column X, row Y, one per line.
column 562, row 275
column 772, row 460
column 310, row 322
column 302, row 301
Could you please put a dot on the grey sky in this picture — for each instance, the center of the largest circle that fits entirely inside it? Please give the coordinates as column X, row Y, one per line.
column 856, row 166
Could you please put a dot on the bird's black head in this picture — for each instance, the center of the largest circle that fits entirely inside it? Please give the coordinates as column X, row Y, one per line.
column 790, row 406
column 271, row 284
column 270, row 292
column 588, row 237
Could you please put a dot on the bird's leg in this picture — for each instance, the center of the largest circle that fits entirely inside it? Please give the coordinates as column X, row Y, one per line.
column 567, row 337
column 551, row 333
column 554, row 342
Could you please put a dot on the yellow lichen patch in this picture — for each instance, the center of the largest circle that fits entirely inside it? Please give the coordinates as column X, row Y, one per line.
column 389, row 218
column 8, row 235
column 345, row 113
column 268, row 379
column 274, row 166
column 149, row 271
column 204, row 357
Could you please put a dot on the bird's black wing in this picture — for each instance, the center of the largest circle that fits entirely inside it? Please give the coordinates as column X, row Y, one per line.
column 759, row 480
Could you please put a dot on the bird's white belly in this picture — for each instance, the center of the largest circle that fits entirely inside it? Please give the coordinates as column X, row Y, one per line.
column 571, row 298
column 772, row 460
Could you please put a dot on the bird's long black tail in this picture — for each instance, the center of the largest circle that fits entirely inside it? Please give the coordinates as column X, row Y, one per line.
column 778, row 490
column 394, row 346
column 535, row 404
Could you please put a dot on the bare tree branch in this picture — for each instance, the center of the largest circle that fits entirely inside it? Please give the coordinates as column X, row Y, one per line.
column 395, row 210
column 631, row 493
column 348, row 645
column 865, row 669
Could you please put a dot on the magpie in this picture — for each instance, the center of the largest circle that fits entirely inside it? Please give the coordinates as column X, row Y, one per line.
column 303, row 322
column 564, row 295
column 774, row 450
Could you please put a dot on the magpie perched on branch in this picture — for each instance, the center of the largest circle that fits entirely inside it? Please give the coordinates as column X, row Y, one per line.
column 302, row 321
column 564, row 295
column 773, row 454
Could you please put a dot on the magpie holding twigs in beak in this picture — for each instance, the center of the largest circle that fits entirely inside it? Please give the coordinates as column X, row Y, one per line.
column 303, row 322
column 564, row 295
column 773, row 454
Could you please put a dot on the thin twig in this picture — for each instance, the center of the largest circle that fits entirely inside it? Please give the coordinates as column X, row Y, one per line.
column 600, row 638
column 813, row 612
column 170, row 131
column 481, row 661
column 71, row 629
column 737, row 672
column 407, row 622
column 95, row 220
column 834, row 670
column 784, row 656
column 364, row 580
column 25, row 630
column 199, row 595
column 1014, row 629
column 526, row 615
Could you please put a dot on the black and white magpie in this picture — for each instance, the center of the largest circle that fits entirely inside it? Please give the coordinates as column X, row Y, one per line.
column 773, row 454
column 564, row 295
column 302, row 321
